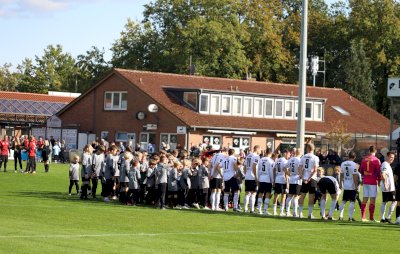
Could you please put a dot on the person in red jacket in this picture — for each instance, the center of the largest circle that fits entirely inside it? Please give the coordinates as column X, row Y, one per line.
column 31, row 165
column 4, row 148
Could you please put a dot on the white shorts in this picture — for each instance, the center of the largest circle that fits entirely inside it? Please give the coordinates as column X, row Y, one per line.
column 370, row 191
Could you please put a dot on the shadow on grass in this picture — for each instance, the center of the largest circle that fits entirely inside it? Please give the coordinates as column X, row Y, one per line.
column 62, row 197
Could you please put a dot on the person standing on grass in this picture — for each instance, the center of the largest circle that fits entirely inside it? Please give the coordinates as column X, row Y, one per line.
column 396, row 176
column 134, row 183
column 387, row 187
column 308, row 166
column 173, row 184
column 74, row 174
column 109, row 172
column 150, row 181
column 328, row 184
column 31, row 165
column 265, row 181
column 16, row 145
column 370, row 170
column 349, row 178
column 216, row 180
column 86, row 170
column 204, row 182
column 98, row 167
column 56, row 152
column 161, row 180
column 45, row 155
column 294, row 183
column 250, row 182
column 281, row 186
column 4, row 149
column 125, row 168
column 230, row 166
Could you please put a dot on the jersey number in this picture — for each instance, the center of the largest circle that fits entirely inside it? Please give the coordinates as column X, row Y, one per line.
column 306, row 163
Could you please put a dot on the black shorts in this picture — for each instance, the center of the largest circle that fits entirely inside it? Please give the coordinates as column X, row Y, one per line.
column 398, row 195
column 388, row 196
column 250, row 185
column 4, row 158
column 349, row 195
column 264, row 187
column 280, row 188
column 294, row 189
column 326, row 185
column 310, row 187
column 231, row 185
column 216, row 183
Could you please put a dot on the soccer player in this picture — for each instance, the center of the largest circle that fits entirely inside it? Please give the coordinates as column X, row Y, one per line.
column 294, row 183
column 308, row 170
column 251, row 178
column 349, row 178
column 216, row 180
column 281, row 186
column 331, row 185
column 161, row 180
column 396, row 175
column 86, row 171
column 4, row 148
column 230, row 166
column 387, row 187
column 204, row 182
column 74, row 174
column 370, row 169
column 265, row 181
column 98, row 166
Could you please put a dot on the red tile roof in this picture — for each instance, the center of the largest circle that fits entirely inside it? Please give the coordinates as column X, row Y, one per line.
column 34, row 97
column 362, row 119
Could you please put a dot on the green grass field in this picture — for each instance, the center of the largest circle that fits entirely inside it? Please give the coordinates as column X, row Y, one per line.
column 37, row 216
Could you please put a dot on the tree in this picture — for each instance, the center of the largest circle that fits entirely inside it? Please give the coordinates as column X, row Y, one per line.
column 8, row 79
column 358, row 81
column 338, row 135
column 27, row 81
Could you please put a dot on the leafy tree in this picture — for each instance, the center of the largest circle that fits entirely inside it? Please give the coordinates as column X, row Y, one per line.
column 8, row 79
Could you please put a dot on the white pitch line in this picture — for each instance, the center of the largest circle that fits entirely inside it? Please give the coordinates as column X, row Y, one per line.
column 172, row 233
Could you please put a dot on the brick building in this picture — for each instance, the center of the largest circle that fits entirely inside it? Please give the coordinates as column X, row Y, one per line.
column 190, row 110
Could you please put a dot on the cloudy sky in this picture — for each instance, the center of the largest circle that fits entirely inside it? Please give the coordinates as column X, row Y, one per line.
column 29, row 26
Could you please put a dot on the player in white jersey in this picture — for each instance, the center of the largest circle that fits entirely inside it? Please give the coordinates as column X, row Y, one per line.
column 250, row 169
column 349, row 179
column 331, row 185
column 230, row 166
column 281, row 186
column 216, row 174
column 265, row 180
column 294, row 183
column 308, row 170
column 387, row 187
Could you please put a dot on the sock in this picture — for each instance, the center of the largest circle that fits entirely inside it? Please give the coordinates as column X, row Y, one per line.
column 274, row 208
column 295, row 205
column 341, row 209
column 266, row 203
column 333, row 207
column 310, row 208
column 282, row 207
column 371, row 211
column 212, row 200
column 259, row 205
column 300, row 209
column 246, row 202
column 351, row 210
column 363, row 210
column 252, row 202
column 391, row 210
column 235, row 200
column 397, row 211
column 217, row 199
column 226, row 197
column 322, row 207
column 383, row 210
column 288, row 203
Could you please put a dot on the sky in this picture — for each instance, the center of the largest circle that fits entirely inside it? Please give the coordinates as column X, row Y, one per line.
column 27, row 27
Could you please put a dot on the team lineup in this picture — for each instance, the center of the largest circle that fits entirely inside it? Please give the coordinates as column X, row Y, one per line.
column 171, row 180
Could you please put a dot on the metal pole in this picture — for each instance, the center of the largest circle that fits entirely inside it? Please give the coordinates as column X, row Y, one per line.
column 313, row 81
column 391, row 124
column 302, row 78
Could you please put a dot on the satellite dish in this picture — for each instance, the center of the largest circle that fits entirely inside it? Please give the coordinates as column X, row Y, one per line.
column 153, row 108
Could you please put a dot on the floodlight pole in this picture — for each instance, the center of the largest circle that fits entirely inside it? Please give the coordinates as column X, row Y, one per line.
column 302, row 77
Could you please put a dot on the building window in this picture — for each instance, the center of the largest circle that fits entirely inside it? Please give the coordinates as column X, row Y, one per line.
column 240, row 143
column 258, row 107
column 318, row 111
column 190, row 98
column 204, row 98
column 278, row 108
column 309, row 110
column 215, row 105
column 289, row 108
column 147, row 141
column 121, row 136
column 237, row 106
column 226, row 105
column 214, row 141
column 247, row 106
column 115, row 100
column 269, row 108
column 168, row 141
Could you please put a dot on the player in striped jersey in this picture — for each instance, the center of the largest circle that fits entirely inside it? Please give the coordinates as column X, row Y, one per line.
column 265, row 180
column 308, row 171
column 349, row 178
column 216, row 179
column 230, row 166
column 294, row 183
column 250, row 182
column 281, row 186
